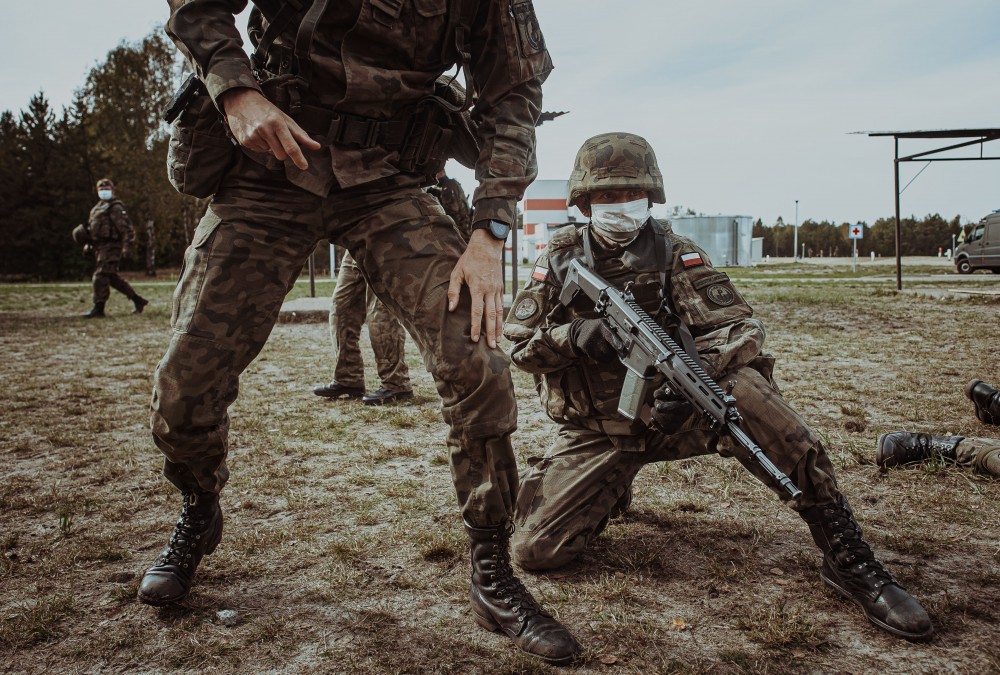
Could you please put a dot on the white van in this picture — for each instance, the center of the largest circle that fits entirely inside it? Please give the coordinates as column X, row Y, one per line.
column 981, row 248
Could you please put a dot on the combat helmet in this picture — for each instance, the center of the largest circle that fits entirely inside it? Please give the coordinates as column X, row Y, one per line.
column 618, row 161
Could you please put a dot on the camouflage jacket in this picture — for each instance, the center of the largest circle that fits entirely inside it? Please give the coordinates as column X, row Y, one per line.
column 109, row 225
column 583, row 392
column 365, row 62
column 452, row 197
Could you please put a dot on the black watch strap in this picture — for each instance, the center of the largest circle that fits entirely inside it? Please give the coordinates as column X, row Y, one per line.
column 497, row 228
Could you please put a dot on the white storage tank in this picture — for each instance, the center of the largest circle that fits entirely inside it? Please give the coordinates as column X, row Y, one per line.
column 728, row 240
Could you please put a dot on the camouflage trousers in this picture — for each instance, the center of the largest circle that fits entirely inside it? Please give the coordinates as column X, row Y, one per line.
column 106, row 274
column 352, row 301
column 981, row 454
column 245, row 255
column 567, row 496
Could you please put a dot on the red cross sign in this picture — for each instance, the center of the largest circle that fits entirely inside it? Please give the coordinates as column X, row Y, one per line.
column 856, row 231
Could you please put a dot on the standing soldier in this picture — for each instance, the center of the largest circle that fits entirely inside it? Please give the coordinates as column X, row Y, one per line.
column 111, row 236
column 981, row 454
column 341, row 128
column 352, row 301
column 567, row 497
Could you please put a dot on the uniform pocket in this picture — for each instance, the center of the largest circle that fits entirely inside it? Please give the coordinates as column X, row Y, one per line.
column 512, row 148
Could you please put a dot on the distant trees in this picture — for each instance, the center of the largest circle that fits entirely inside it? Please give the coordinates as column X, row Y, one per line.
column 49, row 164
column 919, row 236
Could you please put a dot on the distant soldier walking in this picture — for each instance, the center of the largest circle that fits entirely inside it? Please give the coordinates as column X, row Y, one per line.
column 111, row 236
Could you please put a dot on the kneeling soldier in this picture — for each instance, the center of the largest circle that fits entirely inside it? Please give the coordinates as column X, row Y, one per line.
column 567, row 497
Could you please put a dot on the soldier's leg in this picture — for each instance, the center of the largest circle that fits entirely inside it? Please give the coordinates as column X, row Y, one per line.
column 389, row 344
column 240, row 265
column 350, row 304
column 982, row 454
column 407, row 248
column 107, row 264
column 566, row 498
column 849, row 566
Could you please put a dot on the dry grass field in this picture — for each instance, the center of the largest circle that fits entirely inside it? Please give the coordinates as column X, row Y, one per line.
column 344, row 551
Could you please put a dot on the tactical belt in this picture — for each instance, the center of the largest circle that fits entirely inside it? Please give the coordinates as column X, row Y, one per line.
column 352, row 130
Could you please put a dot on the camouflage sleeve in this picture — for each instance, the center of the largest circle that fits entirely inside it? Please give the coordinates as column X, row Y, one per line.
column 205, row 32
column 726, row 336
column 537, row 326
column 123, row 224
column 509, row 64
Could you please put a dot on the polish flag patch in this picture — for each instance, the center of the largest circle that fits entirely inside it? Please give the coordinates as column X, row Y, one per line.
column 691, row 259
column 538, row 273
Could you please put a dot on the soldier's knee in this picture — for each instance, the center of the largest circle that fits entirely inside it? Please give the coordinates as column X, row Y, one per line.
column 538, row 552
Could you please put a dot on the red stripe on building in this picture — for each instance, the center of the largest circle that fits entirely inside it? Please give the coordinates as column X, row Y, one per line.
column 545, row 205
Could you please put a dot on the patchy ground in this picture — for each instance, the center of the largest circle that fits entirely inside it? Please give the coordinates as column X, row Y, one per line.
column 344, row 551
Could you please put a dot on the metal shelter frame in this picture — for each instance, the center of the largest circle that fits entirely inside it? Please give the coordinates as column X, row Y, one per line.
column 980, row 136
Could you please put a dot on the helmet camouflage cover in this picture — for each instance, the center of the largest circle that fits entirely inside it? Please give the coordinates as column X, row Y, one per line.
column 616, row 161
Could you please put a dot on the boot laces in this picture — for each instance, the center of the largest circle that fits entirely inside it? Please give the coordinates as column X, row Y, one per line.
column 508, row 587
column 187, row 533
column 859, row 558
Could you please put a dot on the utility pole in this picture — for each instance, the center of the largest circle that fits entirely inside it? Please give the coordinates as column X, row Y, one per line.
column 795, row 246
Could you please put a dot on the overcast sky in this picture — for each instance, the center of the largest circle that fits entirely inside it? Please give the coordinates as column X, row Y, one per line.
column 749, row 105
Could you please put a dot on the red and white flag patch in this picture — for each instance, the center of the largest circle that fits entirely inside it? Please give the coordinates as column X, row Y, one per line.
column 538, row 273
column 692, row 259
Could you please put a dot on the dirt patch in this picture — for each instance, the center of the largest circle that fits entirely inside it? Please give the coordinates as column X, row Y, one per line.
column 344, row 550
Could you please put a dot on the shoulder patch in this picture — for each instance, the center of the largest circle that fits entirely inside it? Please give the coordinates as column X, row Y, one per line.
column 539, row 272
column 692, row 259
column 526, row 309
column 721, row 295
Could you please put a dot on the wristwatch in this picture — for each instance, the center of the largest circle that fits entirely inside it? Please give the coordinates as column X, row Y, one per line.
column 497, row 228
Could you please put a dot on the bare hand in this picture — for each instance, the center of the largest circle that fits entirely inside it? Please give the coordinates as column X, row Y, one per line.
column 257, row 124
column 479, row 269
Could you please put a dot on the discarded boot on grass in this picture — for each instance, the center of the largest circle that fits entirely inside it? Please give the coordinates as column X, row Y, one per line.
column 196, row 534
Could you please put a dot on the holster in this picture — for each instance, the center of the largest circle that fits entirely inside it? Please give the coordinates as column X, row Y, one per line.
column 200, row 149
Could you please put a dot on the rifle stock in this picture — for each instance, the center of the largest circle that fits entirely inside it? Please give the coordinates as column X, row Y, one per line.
column 646, row 349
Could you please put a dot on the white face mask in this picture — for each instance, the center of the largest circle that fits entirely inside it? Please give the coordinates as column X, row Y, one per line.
column 104, row 194
column 620, row 222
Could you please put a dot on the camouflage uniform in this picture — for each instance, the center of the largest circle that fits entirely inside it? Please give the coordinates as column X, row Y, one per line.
column 112, row 234
column 982, row 454
column 374, row 60
column 567, row 496
column 352, row 301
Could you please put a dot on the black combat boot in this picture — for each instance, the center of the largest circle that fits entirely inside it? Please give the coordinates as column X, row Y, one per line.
column 851, row 569
column 501, row 603
column 140, row 304
column 987, row 401
column 197, row 534
column 96, row 313
column 904, row 447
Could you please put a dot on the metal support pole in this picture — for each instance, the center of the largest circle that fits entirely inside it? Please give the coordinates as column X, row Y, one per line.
column 899, row 259
column 515, row 259
column 312, row 275
column 795, row 244
column 333, row 262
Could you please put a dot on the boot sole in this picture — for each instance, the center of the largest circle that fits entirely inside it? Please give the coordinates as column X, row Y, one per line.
column 917, row 637
column 156, row 601
column 491, row 625
column 969, row 387
column 880, row 458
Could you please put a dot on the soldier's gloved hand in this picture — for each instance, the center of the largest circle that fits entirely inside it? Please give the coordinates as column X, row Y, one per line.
column 594, row 338
column 670, row 410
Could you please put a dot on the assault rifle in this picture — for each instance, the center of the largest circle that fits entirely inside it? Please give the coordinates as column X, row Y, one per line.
column 645, row 349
